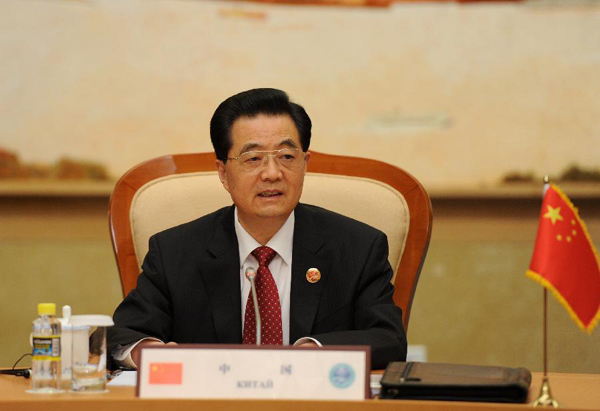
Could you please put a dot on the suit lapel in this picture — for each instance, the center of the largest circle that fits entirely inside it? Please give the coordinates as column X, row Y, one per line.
column 308, row 252
column 221, row 277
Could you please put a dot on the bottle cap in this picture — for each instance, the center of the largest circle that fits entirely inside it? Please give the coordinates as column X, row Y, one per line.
column 46, row 309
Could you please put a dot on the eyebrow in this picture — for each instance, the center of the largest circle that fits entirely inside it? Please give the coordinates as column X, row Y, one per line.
column 249, row 147
column 288, row 142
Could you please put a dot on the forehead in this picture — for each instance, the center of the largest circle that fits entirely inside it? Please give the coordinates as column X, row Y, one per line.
column 263, row 131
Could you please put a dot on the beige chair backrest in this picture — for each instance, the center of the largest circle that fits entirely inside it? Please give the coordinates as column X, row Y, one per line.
column 179, row 198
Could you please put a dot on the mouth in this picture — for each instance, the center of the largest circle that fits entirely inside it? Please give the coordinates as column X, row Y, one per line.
column 270, row 193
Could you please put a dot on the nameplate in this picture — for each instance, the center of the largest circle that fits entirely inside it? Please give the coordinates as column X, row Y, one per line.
column 245, row 371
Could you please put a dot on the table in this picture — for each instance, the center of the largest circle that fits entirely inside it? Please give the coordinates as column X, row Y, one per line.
column 573, row 391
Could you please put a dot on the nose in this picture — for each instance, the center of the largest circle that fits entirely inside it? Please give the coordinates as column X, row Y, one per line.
column 270, row 170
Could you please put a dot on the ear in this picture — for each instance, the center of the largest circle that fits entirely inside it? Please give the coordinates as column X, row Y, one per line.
column 222, row 174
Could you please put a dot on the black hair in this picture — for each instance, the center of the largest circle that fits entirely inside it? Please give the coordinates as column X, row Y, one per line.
column 251, row 103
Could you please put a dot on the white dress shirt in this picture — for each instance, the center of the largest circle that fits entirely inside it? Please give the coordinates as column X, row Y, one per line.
column 280, row 267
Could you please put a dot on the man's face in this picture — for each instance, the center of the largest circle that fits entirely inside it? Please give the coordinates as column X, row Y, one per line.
column 269, row 193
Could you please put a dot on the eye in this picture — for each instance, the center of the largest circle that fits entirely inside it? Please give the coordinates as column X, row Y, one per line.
column 287, row 155
column 251, row 157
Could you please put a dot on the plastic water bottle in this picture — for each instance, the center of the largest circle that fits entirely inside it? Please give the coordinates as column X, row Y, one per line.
column 46, row 366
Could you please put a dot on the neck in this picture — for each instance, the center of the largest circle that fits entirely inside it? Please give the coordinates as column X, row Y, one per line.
column 264, row 229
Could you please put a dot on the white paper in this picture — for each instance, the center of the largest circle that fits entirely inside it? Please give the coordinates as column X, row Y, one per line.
column 125, row 379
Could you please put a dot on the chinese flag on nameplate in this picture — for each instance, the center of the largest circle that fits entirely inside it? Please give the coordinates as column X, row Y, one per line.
column 565, row 261
column 165, row 373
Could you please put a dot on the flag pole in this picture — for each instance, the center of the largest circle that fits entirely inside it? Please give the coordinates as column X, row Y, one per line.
column 545, row 398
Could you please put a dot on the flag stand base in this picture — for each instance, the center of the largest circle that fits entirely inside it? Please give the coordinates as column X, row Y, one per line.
column 545, row 398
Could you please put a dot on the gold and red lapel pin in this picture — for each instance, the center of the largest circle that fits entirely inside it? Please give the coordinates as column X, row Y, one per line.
column 313, row 275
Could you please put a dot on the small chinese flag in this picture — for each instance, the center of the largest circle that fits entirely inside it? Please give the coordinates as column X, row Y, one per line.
column 565, row 261
column 166, row 373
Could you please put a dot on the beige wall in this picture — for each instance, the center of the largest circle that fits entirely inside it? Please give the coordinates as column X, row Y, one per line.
column 57, row 250
column 474, row 303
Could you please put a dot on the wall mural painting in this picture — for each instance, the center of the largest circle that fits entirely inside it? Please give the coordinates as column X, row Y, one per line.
column 65, row 168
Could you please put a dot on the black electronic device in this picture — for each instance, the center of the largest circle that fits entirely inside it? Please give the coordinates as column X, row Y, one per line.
column 454, row 382
column 17, row 372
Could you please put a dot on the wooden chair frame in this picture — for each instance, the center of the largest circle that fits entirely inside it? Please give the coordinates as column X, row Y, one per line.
column 416, row 197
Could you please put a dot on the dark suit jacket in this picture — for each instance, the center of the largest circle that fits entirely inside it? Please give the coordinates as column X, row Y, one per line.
column 189, row 290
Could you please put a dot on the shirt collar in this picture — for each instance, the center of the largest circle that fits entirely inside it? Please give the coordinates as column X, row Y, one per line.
column 281, row 242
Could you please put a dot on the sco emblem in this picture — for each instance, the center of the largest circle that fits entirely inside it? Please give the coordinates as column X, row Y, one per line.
column 342, row 375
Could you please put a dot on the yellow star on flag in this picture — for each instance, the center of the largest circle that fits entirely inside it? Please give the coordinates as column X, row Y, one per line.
column 553, row 214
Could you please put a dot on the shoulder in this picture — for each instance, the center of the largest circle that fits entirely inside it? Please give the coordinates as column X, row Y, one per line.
column 333, row 224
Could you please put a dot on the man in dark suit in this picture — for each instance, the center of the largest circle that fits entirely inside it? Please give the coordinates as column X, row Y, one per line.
column 326, row 277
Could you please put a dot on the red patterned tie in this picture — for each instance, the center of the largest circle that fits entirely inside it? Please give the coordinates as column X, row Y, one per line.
column 268, row 303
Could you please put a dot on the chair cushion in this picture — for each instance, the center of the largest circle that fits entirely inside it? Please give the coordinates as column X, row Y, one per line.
column 179, row 198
